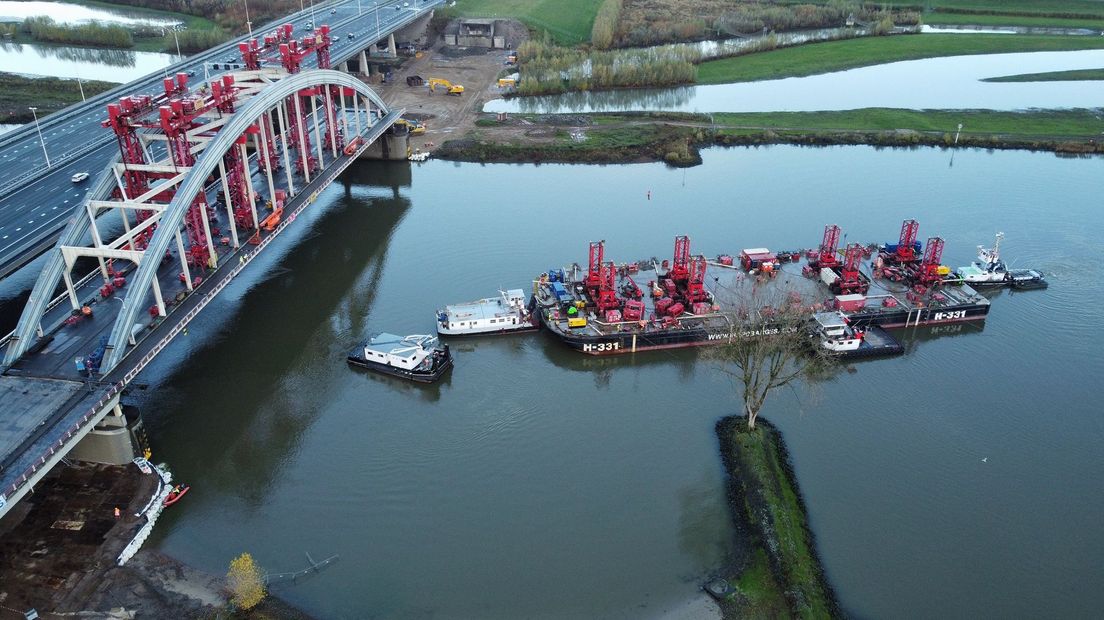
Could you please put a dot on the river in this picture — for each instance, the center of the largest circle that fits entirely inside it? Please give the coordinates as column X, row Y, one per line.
column 933, row 83
column 961, row 479
column 86, row 63
column 73, row 13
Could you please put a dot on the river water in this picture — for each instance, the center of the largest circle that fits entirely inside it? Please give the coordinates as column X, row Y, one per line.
column 961, row 479
column 72, row 13
column 933, row 83
column 86, row 63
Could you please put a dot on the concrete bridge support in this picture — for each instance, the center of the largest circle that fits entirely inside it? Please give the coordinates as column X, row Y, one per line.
column 393, row 145
column 116, row 440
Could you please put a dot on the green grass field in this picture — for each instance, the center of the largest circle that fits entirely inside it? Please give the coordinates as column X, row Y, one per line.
column 1037, row 123
column 817, row 58
column 568, row 21
column 1053, row 76
column 955, row 19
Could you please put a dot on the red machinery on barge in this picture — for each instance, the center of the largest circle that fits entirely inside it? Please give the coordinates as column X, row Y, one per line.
column 604, row 312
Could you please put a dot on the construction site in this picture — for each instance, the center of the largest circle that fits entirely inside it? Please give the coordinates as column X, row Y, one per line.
column 443, row 87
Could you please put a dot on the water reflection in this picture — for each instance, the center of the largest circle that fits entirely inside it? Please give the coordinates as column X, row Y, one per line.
column 934, row 83
column 109, row 65
column 71, row 13
column 252, row 443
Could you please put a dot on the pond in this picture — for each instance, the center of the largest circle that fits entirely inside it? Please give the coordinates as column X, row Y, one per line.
column 933, row 83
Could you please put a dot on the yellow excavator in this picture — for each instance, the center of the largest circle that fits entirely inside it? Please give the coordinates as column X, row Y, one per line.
column 416, row 128
column 450, row 88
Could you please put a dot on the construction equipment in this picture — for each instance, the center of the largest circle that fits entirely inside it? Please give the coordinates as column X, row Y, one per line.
column 450, row 88
column 929, row 272
column 416, row 128
column 851, row 281
column 415, row 80
column 507, row 83
column 908, row 248
column 826, row 256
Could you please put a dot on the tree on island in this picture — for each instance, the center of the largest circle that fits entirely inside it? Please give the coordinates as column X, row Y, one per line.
column 771, row 348
column 245, row 581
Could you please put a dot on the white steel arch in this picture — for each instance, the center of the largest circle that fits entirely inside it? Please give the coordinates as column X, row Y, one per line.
column 189, row 182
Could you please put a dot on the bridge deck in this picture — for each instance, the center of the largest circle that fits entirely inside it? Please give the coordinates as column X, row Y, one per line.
column 36, row 200
column 46, row 383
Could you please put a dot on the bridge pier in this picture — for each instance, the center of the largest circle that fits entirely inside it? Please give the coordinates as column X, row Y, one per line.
column 116, row 440
column 394, row 144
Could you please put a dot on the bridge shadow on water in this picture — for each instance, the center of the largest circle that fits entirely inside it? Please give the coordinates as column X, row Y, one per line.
column 229, row 406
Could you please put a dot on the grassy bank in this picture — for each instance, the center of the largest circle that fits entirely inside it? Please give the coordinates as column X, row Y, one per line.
column 1053, row 76
column 817, row 58
column 675, row 138
column 47, row 94
column 568, row 21
column 997, row 19
column 1078, row 123
column 780, row 575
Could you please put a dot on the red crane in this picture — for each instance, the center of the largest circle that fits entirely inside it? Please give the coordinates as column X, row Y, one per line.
column 251, row 54
column 680, row 267
column 826, row 257
column 695, row 283
column 607, row 293
column 851, row 281
column 906, row 246
column 929, row 267
column 594, row 266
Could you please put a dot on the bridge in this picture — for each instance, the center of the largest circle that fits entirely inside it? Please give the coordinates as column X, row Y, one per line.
column 36, row 197
column 201, row 181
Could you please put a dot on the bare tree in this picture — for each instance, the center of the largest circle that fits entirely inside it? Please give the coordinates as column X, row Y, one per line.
column 770, row 348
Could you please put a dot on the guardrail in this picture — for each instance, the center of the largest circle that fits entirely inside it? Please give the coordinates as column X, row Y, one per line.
column 373, row 133
column 65, row 113
column 10, row 185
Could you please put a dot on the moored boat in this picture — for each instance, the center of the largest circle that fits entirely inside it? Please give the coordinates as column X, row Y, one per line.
column 990, row 270
column 836, row 335
column 507, row 313
column 175, row 495
column 416, row 357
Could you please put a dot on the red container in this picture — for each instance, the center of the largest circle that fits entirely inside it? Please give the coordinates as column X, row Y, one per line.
column 676, row 309
column 663, row 304
column 701, row 308
column 634, row 310
column 668, row 284
column 613, row 316
column 725, row 259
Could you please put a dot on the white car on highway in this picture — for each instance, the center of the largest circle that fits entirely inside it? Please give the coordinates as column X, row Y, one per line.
column 80, row 177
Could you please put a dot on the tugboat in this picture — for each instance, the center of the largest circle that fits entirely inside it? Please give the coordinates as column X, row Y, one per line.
column 837, row 336
column 504, row 314
column 990, row 270
column 415, row 357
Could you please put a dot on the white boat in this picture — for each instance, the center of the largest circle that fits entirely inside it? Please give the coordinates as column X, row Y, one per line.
column 837, row 336
column 990, row 270
column 492, row 315
column 835, row 333
column 416, row 357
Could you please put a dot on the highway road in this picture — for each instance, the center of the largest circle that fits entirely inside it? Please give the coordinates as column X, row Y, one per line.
column 36, row 200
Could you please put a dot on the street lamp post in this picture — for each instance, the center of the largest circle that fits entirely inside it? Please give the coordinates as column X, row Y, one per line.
column 177, row 40
column 40, row 140
column 248, row 24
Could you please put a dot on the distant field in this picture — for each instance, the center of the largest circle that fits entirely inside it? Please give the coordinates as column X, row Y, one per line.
column 1048, row 123
column 568, row 21
column 938, row 19
column 817, row 58
column 1053, row 76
